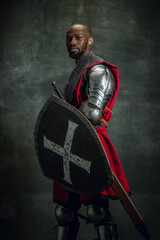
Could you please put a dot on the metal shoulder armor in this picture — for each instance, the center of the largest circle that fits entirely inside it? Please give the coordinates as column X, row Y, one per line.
column 101, row 88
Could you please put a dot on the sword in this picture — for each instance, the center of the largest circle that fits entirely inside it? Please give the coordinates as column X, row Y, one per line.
column 58, row 91
column 130, row 208
column 121, row 194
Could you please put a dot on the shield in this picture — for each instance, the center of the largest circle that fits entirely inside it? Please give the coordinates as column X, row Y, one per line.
column 69, row 150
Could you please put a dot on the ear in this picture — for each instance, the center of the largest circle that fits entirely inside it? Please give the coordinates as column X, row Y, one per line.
column 90, row 41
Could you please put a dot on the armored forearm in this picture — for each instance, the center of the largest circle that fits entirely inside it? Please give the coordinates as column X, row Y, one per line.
column 101, row 88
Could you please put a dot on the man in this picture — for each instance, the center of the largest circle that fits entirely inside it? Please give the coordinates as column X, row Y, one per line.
column 92, row 88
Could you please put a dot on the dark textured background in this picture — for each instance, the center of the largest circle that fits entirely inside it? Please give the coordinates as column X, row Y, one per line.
column 32, row 55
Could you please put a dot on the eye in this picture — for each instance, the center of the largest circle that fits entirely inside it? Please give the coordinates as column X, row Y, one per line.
column 78, row 37
column 69, row 39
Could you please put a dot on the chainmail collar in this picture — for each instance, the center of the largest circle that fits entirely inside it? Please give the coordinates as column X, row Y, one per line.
column 84, row 62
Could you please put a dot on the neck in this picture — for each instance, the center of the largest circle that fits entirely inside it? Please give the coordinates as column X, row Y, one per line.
column 81, row 57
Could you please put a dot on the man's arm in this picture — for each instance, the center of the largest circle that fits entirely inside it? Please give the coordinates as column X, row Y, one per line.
column 101, row 88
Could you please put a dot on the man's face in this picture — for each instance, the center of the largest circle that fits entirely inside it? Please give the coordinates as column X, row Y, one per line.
column 77, row 41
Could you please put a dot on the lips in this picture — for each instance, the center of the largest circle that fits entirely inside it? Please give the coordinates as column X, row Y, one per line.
column 73, row 49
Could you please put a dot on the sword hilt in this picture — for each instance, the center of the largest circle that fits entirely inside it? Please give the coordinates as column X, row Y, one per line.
column 58, row 91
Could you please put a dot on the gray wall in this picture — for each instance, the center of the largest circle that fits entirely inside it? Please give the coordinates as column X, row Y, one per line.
column 32, row 55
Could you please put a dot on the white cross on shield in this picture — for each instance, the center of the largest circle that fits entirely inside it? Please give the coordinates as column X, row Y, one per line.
column 65, row 152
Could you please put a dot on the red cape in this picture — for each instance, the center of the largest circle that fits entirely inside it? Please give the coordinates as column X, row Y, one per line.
column 60, row 193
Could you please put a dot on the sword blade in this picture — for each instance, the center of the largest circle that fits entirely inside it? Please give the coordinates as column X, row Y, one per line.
column 130, row 208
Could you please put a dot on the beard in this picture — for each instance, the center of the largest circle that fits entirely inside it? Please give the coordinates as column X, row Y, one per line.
column 75, row 55
column 78, row 53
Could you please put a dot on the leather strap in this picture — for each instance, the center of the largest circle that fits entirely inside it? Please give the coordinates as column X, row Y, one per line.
column 109, row 110
column 104, row 121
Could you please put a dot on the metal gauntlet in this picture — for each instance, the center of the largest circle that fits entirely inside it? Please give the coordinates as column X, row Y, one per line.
column 101, row 88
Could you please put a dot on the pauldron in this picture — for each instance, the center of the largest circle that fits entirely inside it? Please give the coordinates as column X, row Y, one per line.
column 101, row 88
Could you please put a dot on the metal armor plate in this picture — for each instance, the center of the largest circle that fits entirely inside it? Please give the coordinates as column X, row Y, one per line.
column 69, row 150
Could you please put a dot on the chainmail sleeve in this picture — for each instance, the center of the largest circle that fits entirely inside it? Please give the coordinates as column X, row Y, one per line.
column 101, row 88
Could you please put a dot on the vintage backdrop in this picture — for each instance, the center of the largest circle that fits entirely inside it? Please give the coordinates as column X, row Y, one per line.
column 32, row 55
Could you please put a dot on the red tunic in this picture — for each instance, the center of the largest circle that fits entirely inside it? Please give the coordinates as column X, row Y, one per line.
column 60, row 193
